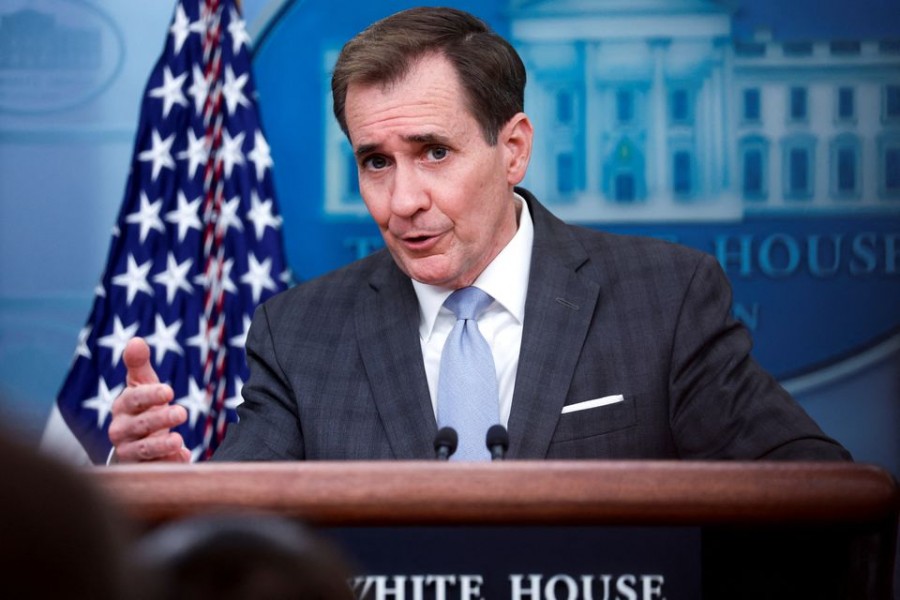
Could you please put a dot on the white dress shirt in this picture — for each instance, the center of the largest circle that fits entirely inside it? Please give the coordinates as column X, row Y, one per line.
column 506, row 280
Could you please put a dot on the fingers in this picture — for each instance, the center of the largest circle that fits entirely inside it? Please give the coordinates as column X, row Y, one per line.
column 137, row 399
column 168, row 447
column 142, row 416
column 137, row 361
column 141, row 422
column 128, row 427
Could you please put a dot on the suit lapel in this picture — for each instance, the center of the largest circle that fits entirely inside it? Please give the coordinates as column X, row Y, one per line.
column 387, row 322
column 558, row 313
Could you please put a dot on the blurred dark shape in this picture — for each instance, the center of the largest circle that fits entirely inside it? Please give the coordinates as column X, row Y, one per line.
column 59, row 538
column 231, row 557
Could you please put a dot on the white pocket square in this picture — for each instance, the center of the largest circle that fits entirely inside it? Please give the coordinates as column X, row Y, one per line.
column 596, row 402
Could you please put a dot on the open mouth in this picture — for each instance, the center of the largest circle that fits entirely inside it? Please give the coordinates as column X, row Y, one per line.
column 420, row 243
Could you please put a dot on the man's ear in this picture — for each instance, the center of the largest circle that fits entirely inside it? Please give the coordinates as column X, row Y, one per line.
column 516, row 137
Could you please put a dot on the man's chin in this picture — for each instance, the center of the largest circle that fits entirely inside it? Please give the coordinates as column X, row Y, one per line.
column 428, row 278
column 425, row 270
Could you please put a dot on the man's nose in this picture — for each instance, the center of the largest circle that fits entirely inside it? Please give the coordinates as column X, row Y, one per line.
column 410, row 193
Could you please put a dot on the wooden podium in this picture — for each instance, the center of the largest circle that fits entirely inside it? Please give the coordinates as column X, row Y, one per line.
column 768, row 529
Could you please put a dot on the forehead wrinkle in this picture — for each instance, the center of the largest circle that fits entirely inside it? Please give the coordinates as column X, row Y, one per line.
column 418, row 108
column 386, row 123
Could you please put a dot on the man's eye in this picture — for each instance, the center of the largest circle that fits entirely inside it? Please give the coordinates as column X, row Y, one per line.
column 437, row 153
column 375, row 162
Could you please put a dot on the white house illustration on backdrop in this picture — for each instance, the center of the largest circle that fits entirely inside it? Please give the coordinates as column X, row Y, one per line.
column 648, row 110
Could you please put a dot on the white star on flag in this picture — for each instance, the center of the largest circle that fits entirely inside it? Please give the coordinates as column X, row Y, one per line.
column 215, row 337
column 234, row 401
column 186, row 216
column 174, row 277
column 233, row 90
column 199, row 89
column 238, row 31
column 261, row 214
column 182, row 27
column 170, row 91
column 258, row 276
column 240, row 341
column 227, row 284
column 195, row 402
column 196, row 152
column 261, row 155
column 134, row 279
column 103, row 401
column 229, row 216
column 147, row 217
column 117, row 340
column 200, row 341
column 230, row 152
column 82, row 348
column 164, row 339
column 160, row 153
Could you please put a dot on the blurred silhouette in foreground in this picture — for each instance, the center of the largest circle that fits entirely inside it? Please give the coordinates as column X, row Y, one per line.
column 240, row 557
column 59, row 538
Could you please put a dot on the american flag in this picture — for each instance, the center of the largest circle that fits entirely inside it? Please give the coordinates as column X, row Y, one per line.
column 197, row 244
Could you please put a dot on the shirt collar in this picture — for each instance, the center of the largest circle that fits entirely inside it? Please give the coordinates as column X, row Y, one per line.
column 505, row 278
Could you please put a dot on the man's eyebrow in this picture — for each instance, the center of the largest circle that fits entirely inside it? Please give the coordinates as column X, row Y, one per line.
column 426, row 138
column 364, row 149
column 416, row 138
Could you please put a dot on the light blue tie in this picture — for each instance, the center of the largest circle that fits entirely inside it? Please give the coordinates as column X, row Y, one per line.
column 468, row 396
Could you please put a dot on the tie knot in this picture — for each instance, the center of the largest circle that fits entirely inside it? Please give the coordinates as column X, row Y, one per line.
column 468, row 302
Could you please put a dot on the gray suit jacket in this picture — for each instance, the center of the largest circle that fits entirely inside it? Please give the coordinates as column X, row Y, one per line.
column 337, row 372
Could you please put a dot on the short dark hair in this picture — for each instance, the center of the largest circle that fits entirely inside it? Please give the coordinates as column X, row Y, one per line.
column 489, row 69
column 245, row 555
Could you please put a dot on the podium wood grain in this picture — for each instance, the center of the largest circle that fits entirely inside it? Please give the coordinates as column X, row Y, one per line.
column 540, row 492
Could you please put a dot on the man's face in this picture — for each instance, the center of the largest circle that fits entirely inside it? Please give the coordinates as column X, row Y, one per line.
column 440, row 194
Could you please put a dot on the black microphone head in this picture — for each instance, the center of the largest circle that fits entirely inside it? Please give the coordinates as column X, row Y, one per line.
column 497, row 436
column 446, row 438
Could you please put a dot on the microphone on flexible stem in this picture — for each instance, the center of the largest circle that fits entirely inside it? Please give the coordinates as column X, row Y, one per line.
column 445, row 443
column 497, row 440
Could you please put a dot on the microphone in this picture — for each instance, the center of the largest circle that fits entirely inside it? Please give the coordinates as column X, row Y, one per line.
column 497, row 440
column 445, row 443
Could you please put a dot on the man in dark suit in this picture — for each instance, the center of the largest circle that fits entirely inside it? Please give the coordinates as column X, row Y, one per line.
column 604, row 346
